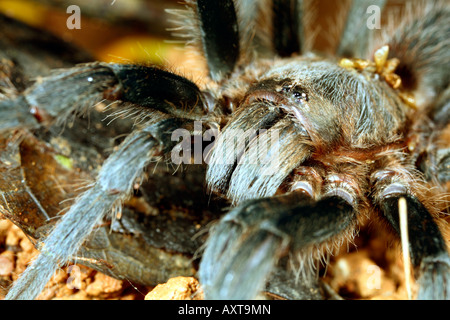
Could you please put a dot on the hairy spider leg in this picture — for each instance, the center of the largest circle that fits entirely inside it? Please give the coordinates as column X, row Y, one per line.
column 428, row 250
column 76, row 90
column 220, row 36
column 114, row 185
column 421, row 44
column 116, row 178
column 287, row 27
column 357, row 36
column 247, row 243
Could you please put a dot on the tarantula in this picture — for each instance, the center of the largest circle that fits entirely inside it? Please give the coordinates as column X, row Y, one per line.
column 306, row 146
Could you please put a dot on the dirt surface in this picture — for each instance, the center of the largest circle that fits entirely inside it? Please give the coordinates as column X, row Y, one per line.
column 73, row 282
column 356, row 275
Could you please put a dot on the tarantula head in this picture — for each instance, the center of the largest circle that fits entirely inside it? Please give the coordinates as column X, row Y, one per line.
column 305, row 112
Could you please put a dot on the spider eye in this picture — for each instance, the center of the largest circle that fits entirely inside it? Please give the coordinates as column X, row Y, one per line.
column 297, row 92
column 299, row 95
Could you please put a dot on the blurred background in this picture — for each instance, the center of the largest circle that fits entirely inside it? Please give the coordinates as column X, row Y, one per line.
column 136, row 30
column 110, row 30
